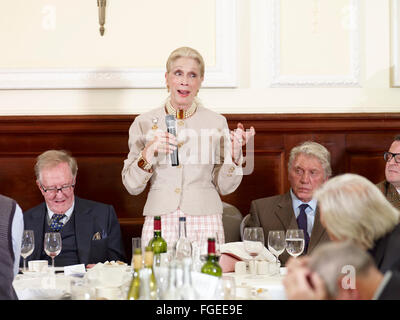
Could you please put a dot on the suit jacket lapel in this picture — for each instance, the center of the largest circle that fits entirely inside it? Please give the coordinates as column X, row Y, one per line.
column 317, row 232
column 83, row 229
column 393, row 196
column 285, row 213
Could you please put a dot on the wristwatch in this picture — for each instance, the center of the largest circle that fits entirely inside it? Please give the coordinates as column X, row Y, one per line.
column 143, row 164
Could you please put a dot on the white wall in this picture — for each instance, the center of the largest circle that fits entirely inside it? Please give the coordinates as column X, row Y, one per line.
column 317, row 41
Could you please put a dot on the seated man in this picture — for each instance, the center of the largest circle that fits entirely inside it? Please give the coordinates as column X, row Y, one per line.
column 309, row 167
column 342, row 271
column 90, row 230
column 11, row 229
column 391, row 185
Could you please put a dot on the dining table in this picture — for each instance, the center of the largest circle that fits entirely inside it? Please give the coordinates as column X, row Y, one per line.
column 112, row 282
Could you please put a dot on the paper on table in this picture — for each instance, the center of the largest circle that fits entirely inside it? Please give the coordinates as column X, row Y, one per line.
column 73, row 269
column 237, row 250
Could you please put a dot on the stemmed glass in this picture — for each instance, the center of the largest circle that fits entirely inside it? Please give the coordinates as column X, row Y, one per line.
column 27, row 245
column 276, row 244
column 295, row 242
column 253, row 239
column 52, row 245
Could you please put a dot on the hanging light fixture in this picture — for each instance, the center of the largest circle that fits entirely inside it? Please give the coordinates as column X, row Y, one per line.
column 102, row 14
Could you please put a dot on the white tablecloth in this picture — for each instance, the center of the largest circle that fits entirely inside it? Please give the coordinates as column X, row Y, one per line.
column 47, row 286
column 262, row 287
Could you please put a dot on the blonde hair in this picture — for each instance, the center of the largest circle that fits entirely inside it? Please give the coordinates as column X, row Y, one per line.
column 186, row 52
column 353, row 208
column 52, row 158
column 331, row 259
column 313, row 149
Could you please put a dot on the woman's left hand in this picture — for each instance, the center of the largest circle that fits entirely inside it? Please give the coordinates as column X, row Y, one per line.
column 239, row 138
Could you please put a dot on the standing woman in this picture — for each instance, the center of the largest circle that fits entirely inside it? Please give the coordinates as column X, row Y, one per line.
column 210, row 156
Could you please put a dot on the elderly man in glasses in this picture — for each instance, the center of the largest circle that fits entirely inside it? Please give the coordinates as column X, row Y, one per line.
column 391, row 185
column 90, row 230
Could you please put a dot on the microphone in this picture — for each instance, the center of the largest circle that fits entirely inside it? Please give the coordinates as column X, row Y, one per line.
column 171, row 128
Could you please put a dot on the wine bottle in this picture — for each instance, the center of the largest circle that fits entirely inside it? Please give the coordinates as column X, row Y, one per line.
column 134, row 290
column 183, row 246
column 158, row 244
column 211, row 266
column 148, row 280
column 187, row 291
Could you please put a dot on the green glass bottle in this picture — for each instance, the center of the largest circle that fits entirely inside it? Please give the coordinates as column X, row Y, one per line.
column 211, row 266
column 158, row 244
column 134, row 290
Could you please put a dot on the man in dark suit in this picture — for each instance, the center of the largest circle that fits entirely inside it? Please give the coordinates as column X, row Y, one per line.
column 308, row 168
column 390, row 187
column 342, row 271
column 90, row 230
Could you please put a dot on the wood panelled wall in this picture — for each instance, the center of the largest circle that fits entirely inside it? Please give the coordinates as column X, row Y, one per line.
column 100, row 144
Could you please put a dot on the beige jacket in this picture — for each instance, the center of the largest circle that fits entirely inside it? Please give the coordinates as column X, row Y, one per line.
column 206, row 167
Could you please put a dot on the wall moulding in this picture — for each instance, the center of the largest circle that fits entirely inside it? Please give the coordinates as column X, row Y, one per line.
column 222, row 74
column 350, row 20
column 394, row 46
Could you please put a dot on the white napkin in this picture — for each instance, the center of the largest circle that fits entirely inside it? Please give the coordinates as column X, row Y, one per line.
column 108, row 274
column 237, row 249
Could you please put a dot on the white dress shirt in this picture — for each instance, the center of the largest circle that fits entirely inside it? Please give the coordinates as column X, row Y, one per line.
column 17, row 229
column 64, row 220
column 310, row 210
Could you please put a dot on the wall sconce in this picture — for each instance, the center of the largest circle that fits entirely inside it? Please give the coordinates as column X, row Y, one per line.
column 102, row 14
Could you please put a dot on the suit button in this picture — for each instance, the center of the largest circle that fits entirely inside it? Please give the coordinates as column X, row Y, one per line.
column 181, row 123
column 178, row 190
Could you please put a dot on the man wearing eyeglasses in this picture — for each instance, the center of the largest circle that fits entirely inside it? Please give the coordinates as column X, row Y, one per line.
column 390, row 187
column 90, row 230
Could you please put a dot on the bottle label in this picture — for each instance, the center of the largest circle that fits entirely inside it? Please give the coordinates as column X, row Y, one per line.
column 148, row 258
column 137, row 261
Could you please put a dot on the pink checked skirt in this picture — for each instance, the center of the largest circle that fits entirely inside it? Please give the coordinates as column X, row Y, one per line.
column 198, row 228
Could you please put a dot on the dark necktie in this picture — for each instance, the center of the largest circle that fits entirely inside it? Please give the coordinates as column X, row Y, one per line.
column 56, row 224
column 302, row 223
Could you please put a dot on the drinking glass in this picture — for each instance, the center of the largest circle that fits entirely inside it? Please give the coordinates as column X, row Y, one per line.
column 253, row 239
column 27, row 245
column 295, row 242
column 52, row 245
column 276, row 244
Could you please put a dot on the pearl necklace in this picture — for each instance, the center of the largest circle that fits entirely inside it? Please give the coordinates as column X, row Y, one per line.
column 180, row 113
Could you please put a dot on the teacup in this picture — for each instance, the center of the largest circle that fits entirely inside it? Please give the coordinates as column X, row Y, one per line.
column 38, row 265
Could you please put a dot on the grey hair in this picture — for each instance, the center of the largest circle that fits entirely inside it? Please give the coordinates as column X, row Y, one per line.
column 353, row 208
column 52, row 158
column 332, row 260
column 314, row 149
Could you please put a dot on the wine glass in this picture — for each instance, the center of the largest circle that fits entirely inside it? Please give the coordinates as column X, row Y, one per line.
column 276, row 244
column 295, row 242
column 27, row 245
column 253, row 239
column 52, row 245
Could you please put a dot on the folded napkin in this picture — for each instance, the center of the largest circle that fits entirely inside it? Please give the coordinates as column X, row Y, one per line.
column 233, row 252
